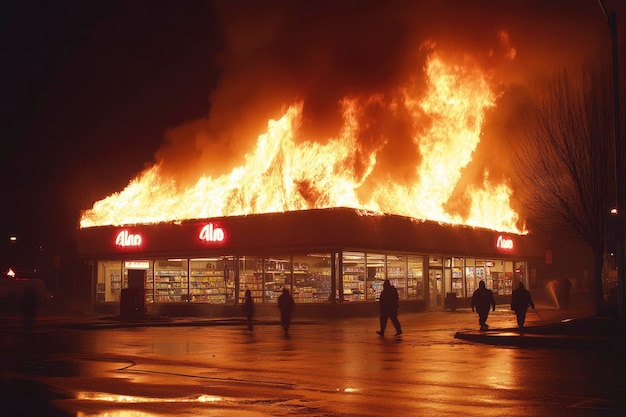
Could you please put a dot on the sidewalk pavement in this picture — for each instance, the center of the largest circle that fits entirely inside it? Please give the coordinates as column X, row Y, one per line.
column 581, row 330
column 583, row 333
column 573, row 328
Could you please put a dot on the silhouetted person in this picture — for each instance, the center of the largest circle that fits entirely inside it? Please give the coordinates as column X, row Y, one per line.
column 286, row 306
column 520, row 301
column 482, row 299
column 389, row 304
column 248, row 307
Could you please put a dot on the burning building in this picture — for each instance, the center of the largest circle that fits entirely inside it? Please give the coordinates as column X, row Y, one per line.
column 314, row 171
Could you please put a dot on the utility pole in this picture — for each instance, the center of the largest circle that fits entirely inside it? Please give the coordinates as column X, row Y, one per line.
column 619, row 203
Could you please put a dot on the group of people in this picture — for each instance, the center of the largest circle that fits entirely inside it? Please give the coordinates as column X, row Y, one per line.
column 482, row 302
column 286, row 304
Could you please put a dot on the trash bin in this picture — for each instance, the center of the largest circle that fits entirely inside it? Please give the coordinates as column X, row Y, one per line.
column 450, row 303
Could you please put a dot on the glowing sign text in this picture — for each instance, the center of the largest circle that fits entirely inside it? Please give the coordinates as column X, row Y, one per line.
column 125, row 239
column 504, row 243
column 210, row 233
column 137, row 264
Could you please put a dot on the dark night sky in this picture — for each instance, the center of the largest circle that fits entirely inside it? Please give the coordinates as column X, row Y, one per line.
column 89, row 88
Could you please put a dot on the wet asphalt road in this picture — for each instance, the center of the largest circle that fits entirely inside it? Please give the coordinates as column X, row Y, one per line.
column 339, row 368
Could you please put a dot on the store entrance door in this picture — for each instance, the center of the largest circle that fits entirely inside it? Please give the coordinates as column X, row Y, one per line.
column 435, row 279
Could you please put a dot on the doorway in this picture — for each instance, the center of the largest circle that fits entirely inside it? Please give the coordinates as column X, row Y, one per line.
column 435, row 279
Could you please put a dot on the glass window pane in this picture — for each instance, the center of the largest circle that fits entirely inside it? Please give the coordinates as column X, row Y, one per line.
column 251, row 277
column 457, row 276
column 210, row 281
column 170, row 280
column 311, row 278
column 276, row 276
column 520, row 274
column 470, row 276
column 376, row 274
column 396, row 273
column 508, row 277
column 109, row 281
column 496, row 269
column 483, row 271
column 415, row 284
column 353, row 276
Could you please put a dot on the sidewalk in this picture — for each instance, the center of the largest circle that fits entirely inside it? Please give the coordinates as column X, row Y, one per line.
column 580, row 330
column 552, row 328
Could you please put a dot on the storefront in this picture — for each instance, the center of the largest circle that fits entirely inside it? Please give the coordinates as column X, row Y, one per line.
column 332, row 261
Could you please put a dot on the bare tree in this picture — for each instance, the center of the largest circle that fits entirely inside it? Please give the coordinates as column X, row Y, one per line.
column 564, row 156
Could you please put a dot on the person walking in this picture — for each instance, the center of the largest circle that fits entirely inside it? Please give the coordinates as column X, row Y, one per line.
column 482, row 299
column 389, row 304
column 248, row 307
column 286, row 306
column 520, row 301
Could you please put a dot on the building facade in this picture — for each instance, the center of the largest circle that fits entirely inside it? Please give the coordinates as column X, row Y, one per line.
column 333, row 261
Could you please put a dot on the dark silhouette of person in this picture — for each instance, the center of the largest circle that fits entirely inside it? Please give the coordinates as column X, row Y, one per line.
column 286, row 306
column 389, row 304
column 520, row 301
column 248, row 307
column 482, row 299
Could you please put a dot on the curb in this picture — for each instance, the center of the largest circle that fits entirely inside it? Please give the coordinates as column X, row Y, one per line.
column 513, row 337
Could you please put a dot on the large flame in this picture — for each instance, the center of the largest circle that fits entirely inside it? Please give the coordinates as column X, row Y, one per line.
column 284, row 173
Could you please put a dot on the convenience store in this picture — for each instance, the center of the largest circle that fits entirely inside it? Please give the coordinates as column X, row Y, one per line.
column 333, row 261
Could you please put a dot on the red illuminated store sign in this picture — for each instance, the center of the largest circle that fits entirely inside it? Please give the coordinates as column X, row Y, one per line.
column 504, row 244
column 126, row 239
column 211, row 233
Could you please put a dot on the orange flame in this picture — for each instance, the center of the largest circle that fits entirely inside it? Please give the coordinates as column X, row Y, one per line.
column 283, row 174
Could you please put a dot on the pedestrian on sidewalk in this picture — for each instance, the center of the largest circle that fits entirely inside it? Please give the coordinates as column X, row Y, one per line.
column 520, row 301
column 286, row 306
column 482, row 299
column 248, row 307
column 389, row 304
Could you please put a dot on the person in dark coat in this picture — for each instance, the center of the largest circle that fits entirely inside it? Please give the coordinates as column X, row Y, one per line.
column 286, row 306
column 520, row 301
column 482, row 299
column 389, row 304
column 248, row 307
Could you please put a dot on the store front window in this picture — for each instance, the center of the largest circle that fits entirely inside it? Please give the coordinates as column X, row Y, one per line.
column 353, row 276
column 376, row 275
column 454, row 276
column 520, row 274
column 210, row 280
column 470, row 276
column 483, row 272
column 109, row 281
column 501, row 276
column 396, row 273
column 435, row 281
column 415, row 277
column 171, row 282
column 276, row 276
column 311, row 278
column 251, row 277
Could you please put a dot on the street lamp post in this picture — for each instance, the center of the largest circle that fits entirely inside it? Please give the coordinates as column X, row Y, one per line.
column 619, row 206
